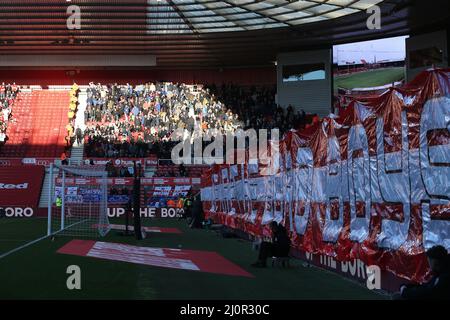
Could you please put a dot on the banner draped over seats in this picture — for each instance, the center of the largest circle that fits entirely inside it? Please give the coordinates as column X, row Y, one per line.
column 372, row 184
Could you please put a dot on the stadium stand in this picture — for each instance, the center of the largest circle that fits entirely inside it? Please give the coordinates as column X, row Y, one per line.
column 100, row 102
column 136, row 121
column 256, row 107
column 39, row 129
column 8, row 94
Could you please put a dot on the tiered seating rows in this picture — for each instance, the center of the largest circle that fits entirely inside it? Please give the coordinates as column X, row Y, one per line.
column 39, row 126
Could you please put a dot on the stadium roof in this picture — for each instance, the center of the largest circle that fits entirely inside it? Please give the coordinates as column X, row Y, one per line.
column 202, row 16
column 193, row 33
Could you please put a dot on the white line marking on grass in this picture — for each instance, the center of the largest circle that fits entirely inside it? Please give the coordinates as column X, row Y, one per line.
column 36, row 240
column 13, row 240
column 22, row 247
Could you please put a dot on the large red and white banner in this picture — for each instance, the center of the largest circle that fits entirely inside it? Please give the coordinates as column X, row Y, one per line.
column 372, row 184
column 20, row 188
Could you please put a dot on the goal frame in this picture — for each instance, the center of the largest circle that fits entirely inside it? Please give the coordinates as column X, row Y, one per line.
column 51, row 230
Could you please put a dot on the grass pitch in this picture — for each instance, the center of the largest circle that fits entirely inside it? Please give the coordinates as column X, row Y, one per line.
column 38, row 272
column 368, row 79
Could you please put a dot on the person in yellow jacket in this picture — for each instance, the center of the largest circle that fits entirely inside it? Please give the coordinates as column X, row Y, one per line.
column 69, row 129
column 58, row 201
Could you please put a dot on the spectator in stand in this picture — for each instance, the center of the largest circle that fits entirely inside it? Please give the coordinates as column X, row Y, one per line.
column 182, row 171
column 8, row 94
column 63, row 158
column 123, row 172
column 79, row 135
column 2, row 134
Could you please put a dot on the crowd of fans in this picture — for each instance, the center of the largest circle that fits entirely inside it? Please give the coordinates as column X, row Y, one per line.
column 135, row 121
column 8, row 93
column 257, row 108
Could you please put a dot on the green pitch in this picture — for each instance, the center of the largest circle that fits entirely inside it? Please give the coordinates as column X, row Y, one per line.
column 38, row 272
column 368, row 79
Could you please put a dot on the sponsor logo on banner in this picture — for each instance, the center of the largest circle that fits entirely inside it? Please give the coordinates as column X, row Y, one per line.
column 13, row 186
column 118, row 162
column 162, row 190
column 20, row 189
column 43, row 162
column 151, row 162
column 16, row 212
column 159, row 181
column 29, row 160
column 119, row 181
column 81, row 181
column 148, row 212
column 4, row 162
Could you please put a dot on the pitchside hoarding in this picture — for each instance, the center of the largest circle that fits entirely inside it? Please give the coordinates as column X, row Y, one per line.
column 20, row 189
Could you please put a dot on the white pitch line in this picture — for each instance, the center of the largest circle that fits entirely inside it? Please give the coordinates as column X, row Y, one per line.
column 22, row 247
column 36, row 240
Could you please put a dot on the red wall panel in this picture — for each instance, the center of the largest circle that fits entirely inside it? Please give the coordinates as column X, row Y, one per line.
column 20, row 186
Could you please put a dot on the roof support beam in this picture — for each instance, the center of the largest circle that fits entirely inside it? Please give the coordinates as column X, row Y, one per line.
column 186, row 20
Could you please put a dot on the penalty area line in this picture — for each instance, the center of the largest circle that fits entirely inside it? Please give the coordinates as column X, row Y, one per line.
column 36, row 241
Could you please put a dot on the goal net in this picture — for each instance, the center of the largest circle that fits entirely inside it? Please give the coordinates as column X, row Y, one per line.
column 78, row 201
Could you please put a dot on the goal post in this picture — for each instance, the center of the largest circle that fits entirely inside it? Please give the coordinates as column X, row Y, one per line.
column 78, row 201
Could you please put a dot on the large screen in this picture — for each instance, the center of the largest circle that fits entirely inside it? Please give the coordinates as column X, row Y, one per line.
column 370, row 52
column 368, row 66
column 304, row 72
